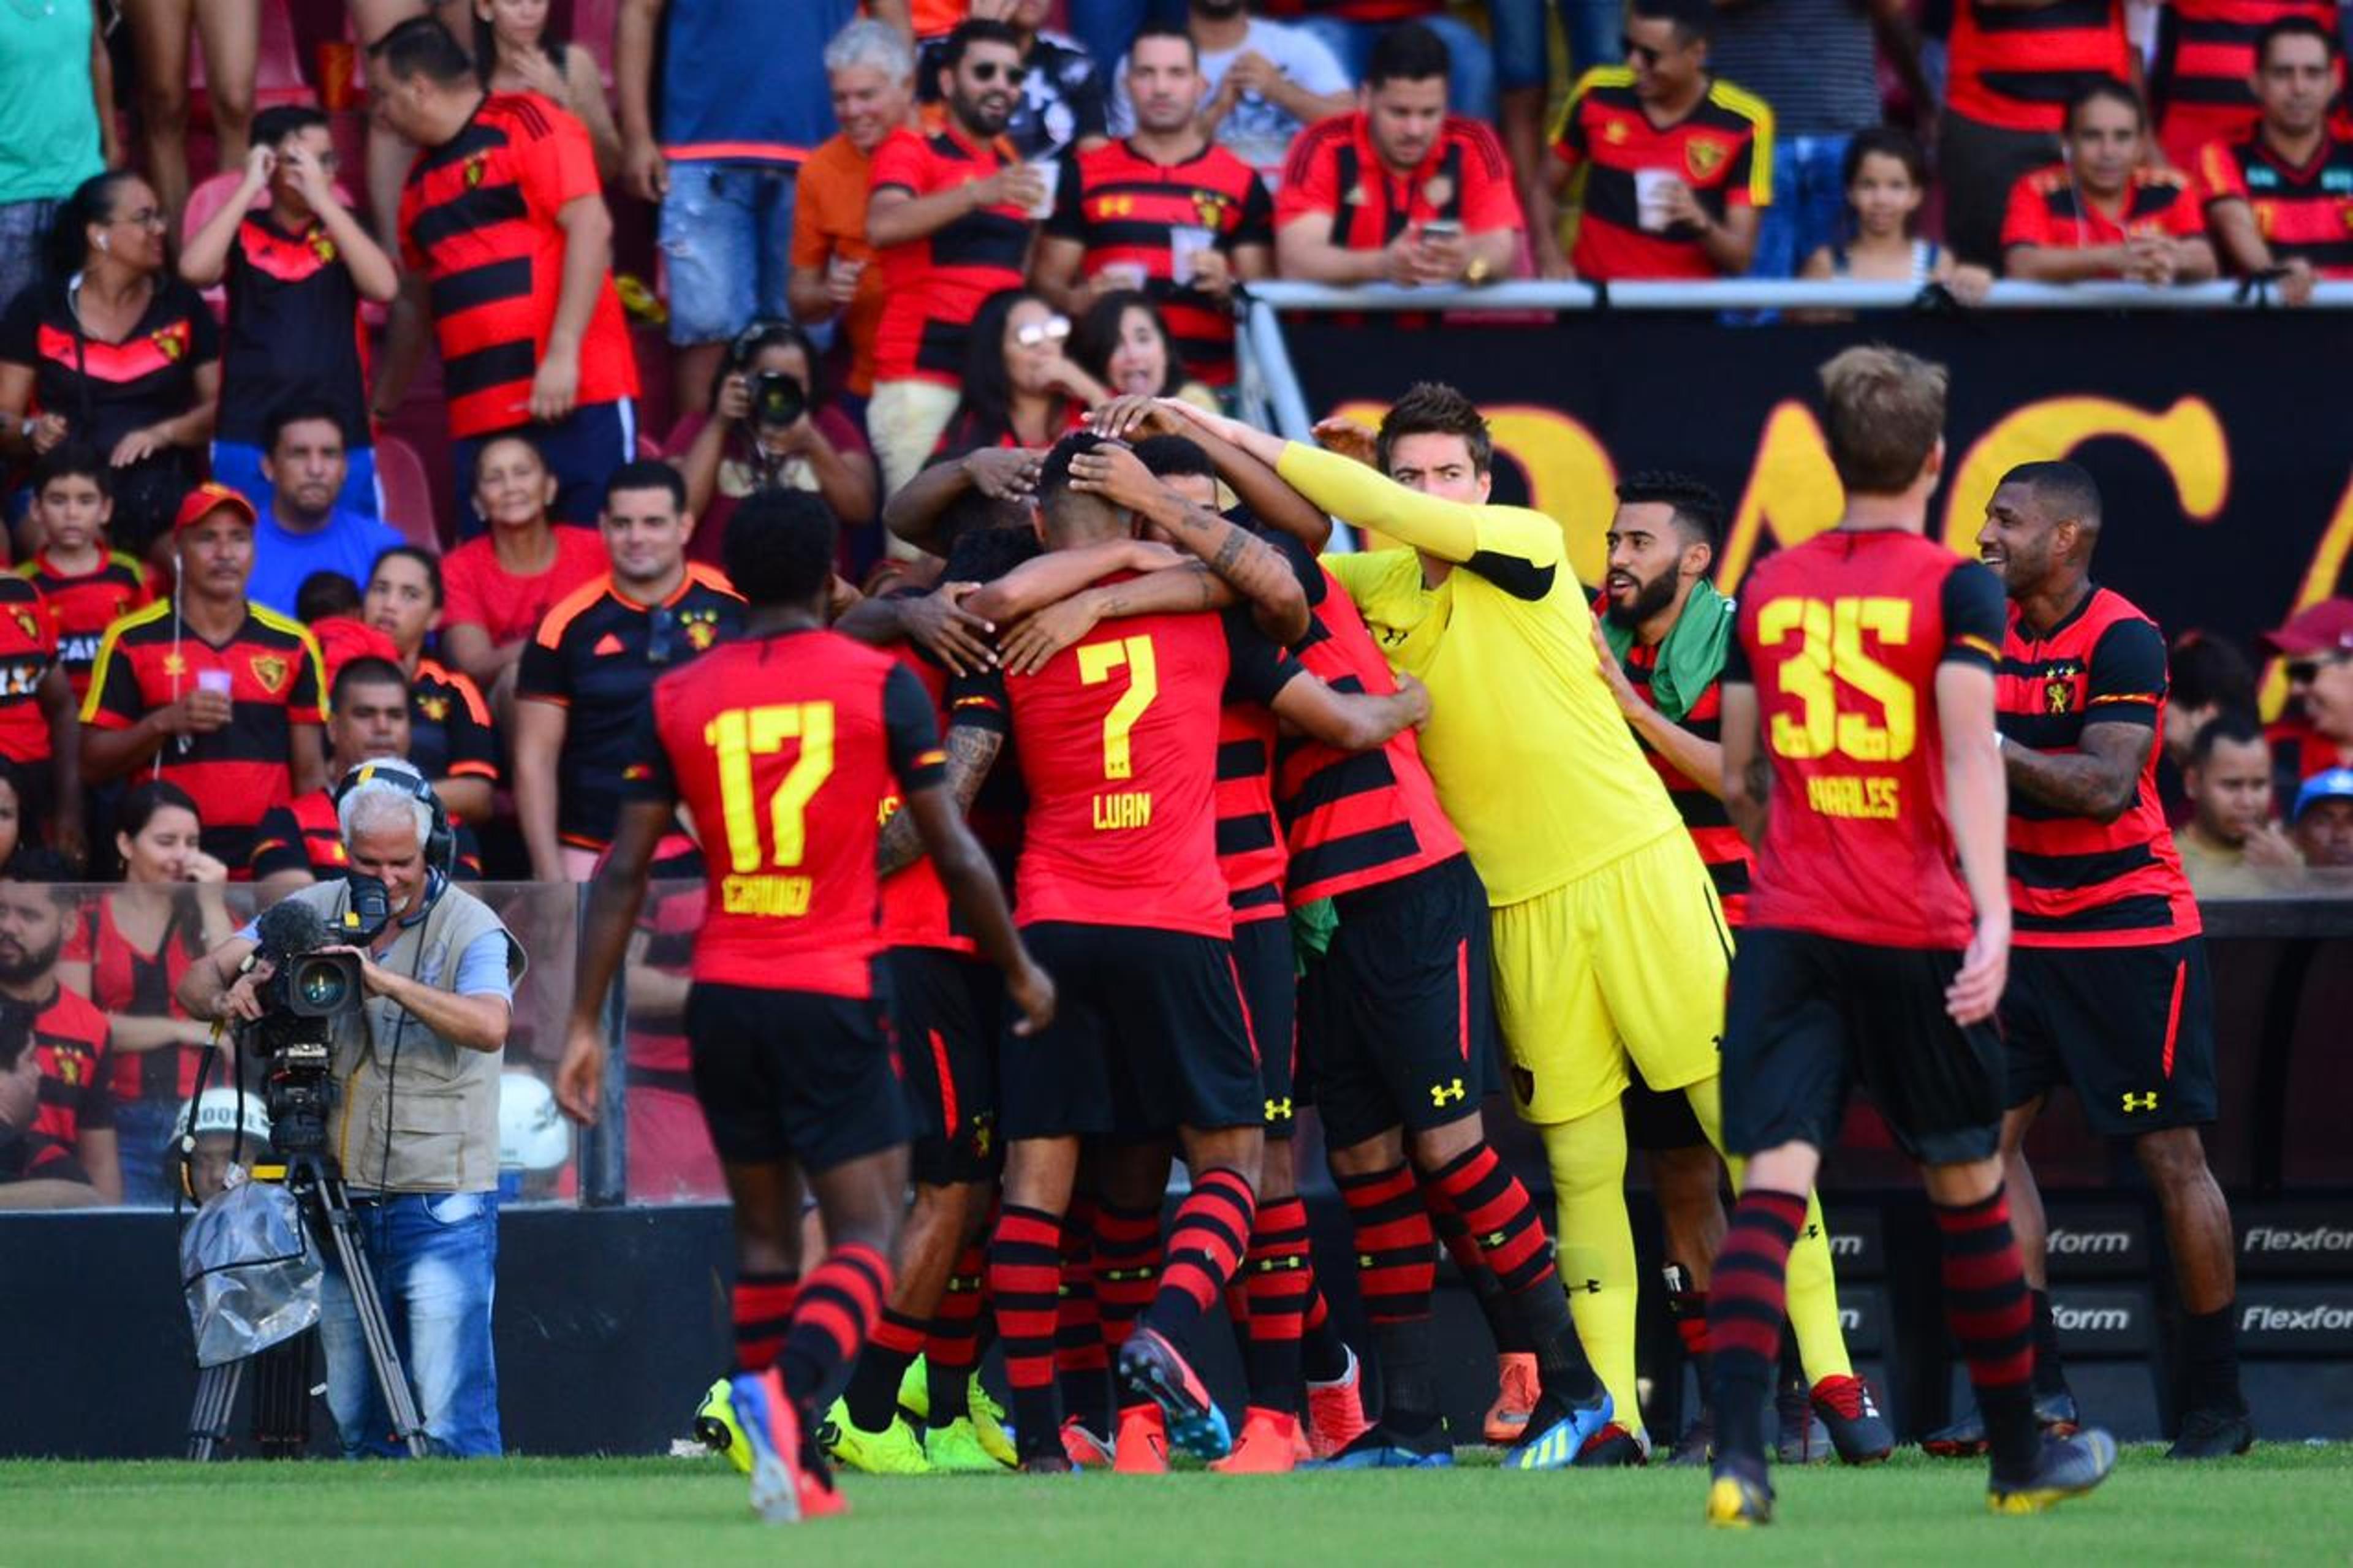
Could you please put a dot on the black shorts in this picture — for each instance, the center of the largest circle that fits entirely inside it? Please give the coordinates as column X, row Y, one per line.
column 1270, row 1003
column 1657, row 1121
column 1148, row 1035
column 948, row 1004
column 791, row 1075
column 2131, row 1029
column 1810, row 1015
column 1408, row 1032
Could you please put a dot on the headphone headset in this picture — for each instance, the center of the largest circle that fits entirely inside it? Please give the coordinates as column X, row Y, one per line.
column 440, row 837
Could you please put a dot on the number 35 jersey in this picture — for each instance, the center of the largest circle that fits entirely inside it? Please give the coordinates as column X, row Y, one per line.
column 1117, row 738
column 1841, row 636
column 784, row 749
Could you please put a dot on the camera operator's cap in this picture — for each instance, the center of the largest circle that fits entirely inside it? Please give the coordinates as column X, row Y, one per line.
column 217, row 1112
column 207, row 498
column 532, row 1133
column 2316, row 629
column 2337, row 784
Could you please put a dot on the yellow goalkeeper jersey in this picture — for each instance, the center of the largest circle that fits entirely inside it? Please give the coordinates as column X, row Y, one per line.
column 1532, row 761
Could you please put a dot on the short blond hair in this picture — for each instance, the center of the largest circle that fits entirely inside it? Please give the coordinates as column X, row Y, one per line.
column 1882, row 415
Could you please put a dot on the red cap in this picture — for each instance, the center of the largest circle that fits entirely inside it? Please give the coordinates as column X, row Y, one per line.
column 207, row 498
column 2315, row 629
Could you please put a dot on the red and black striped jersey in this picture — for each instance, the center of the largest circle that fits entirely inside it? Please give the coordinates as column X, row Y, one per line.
column 915, row 908
column 73, row 1043
column 477, row 220
column 108, row 390
column 150, row 659
column 124, row 979
column 1721, row 848
column 82, row 604
column 1722, row 150
column 2016, row 67
column 1334, row 170
column 29, row 646
column 293, row 328
column 449, row 730
column 1352, row 819
column 306, row 834
column 937, row 283
column 31, row 1156
column 1128, row 211
column 2205, row 59
column 2048, row 208
column 782, row 749
column 2075, row 882
column 1250, row 852
column 2305, row 212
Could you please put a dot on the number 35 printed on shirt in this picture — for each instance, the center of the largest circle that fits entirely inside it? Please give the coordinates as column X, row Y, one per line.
column 737, row 738
column 1830, row 652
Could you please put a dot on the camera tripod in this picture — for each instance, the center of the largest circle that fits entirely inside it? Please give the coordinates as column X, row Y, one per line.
column 326, row 1207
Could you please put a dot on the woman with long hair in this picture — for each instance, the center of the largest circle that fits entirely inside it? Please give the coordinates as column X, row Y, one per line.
column 514, row 52
column 1020, row 389
column 1122, row 343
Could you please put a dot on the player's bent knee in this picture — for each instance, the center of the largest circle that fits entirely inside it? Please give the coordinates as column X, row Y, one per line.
column 1442, row 1145
column 1968, row 1182
column 2175, row 1157
column 1382, row 1152
column 1240, row 1149
column 1790, row 1168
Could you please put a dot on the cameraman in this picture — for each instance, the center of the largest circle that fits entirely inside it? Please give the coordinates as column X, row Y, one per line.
column 440, row 980
column 773, row 428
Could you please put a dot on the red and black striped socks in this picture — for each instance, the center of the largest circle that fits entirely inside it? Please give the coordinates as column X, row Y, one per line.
column 1025, row 1271
column 1397, row 1266
column 1504, row 1325
column 1081, row 1360
column 1279, row 1276
column 1987, row 1306
column 952, row 1350
column 1500, row 1220
column 838, row 1304
column 1746, row 1300
column 1206, row 1243
column 762, row 1308
column 872, row 1396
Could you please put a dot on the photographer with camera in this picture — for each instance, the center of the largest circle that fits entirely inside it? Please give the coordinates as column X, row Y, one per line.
column 409, row 983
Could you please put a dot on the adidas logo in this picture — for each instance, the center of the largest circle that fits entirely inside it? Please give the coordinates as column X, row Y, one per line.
column 610, row 643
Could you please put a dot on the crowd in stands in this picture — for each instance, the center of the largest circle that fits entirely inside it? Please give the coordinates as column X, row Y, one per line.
column 902, row 246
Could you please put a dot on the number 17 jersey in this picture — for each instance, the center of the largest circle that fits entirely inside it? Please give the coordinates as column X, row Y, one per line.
column 784, row 749
column 1842, row 637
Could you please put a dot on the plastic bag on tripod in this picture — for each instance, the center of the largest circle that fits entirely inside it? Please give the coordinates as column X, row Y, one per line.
column 249, row 1271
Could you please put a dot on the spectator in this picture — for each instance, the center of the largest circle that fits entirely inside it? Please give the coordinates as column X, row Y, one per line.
column 950, row 215
column 2205, row 676
column 1020, row 389
column 211, row 691
column 1352, row 29
column 12, row 812
column 159, row 53
column 117, row 352
column 1122, row 344
column 1522, row 51
column 2205, row 64
column 57, row 127
column 669, row 1153
column 451, row 741
column 37, row 1171
column 1165, row 211
column 1886, row 180
column 1399, row 191
column 87, row 586
column 586, row 673
column 2103, row 211
column 2230, row 842
column 225, row 1126
column 2280, row 202
column 502, row 585
column 2324, row 823
column 530, row 328
column 1266, row 81
column 833, row 280
column 775, row 429
column 2316, row 647
column 40, row 735
column 743, row 101
column 1678, row 164
column 305, row 528
column 1064, row 106
column 2009, row 67
column 514, row 52
column 71, row 1038
column 329, row 604
column 126, row 952
column 298, row 269
column 1814, row 63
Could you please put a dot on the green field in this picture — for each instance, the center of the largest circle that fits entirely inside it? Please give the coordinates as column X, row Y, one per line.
column 2280, row 1504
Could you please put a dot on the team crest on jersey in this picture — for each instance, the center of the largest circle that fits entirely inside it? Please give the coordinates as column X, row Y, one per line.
column 1211, row 208
column 1438, row 190
column 434, row 708
column 28, row 625
column 2058, row 696
column 271, row 671
column 701, row 626
column 1704, row 155
column 1615, row 132
column 172, row 342
column 323, row 245
column 175, row 666
column 478, row 168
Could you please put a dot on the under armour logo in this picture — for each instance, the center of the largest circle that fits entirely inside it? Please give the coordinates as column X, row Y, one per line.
column 1812, row 1231
column 1440, row 1093
column 1278, row 1111
column 1591, row 1286
column 2133, row 1103
column 1492, row 1240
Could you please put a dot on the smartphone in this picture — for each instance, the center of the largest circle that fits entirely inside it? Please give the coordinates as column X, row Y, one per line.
column 1442, row 228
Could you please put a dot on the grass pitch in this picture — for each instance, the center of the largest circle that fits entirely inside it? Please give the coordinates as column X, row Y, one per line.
column 2282, row 1503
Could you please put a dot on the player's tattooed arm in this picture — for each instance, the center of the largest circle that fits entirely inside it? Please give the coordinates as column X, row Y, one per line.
column 1747, row 771
column 2099, row 780
column 1255, row 569
column 972, row 751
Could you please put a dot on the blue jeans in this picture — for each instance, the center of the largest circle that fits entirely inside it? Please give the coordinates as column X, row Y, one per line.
column 1523, row 55
column 22, row 227
column 1809, row 204
column 1105, row 28
column 142, row 1128
column 238, row 466
column 1470, row 80
column 581, row 450
column 435, row 1260
column 727, row 234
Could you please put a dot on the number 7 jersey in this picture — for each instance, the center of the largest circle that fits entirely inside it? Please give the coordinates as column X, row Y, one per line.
column 1841, row 636
column 784, row 749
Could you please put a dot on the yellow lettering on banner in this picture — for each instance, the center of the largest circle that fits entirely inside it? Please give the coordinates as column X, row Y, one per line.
column 1131, row 808
column 1872, row 799
column 2187, row 440
column 1792, row 492
column 779, row 897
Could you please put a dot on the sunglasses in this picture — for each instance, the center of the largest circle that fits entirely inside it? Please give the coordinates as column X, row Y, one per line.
column 987, row 72
column 146, row 217
column 661, row 637
column 1052, row 330
column 2304, row 671
column 1642, row 54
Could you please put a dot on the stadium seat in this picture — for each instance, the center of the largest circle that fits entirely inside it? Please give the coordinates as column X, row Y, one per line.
column 408, row 492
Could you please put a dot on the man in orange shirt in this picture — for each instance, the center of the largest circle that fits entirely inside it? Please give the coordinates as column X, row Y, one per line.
column 873, row 77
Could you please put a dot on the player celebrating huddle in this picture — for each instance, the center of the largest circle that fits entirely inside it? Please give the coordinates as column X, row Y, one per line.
column 1859, row 758
column 780, row 745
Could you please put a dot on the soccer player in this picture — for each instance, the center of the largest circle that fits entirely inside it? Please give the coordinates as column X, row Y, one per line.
column 779, row 748
column 2280, row 201
column 87, row 586
column 1664, row 633
column 2108, row 988
column 1859, row 758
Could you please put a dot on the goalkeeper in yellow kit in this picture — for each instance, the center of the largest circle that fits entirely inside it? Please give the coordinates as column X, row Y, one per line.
column 1609, row 942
